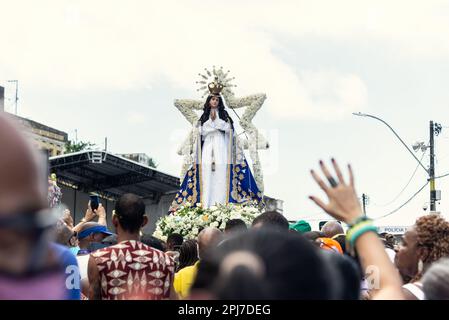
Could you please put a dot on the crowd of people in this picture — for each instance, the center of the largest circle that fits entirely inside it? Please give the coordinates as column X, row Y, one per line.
column 44, row 256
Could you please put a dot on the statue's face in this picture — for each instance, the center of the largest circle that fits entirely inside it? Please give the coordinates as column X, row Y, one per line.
column 214, row 101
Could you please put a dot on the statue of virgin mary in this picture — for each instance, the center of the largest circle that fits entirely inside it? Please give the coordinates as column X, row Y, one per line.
column 219, row 173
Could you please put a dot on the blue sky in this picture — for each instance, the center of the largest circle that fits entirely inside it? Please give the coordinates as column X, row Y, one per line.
column 112, row 68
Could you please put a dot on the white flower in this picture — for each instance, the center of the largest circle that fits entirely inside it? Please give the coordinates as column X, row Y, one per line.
column 190, row 220
column 157, row 234
column 214, row 224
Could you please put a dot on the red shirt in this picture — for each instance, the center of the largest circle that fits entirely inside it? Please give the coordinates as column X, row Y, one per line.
column 132, row 270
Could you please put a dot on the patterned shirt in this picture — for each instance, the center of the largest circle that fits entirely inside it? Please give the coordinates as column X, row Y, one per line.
column 132, row 270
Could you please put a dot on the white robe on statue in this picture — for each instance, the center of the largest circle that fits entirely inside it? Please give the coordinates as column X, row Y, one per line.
column 215, row 135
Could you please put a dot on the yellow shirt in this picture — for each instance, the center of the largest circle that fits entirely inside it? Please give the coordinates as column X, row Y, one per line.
column 184, row 279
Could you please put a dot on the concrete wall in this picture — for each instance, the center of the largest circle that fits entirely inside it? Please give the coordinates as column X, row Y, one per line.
column 76, row 202
column 155, row 211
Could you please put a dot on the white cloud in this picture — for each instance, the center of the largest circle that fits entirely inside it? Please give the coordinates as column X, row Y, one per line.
column 135, row 118
column 111, row 44
column 320, row 95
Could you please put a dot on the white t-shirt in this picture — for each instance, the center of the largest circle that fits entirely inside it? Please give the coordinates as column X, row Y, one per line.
column 415, row 289
column 83, row 262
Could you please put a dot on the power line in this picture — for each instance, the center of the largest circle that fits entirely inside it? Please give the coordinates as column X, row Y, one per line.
column 410, row 199
column 385, row 215
column 403, row 189
column 397, row 136
column 444, row 175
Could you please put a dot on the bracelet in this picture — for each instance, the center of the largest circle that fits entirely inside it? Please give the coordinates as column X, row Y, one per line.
column 358, row 220
column 357, row 230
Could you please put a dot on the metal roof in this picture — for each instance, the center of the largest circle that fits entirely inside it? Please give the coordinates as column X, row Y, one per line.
column 110, row 175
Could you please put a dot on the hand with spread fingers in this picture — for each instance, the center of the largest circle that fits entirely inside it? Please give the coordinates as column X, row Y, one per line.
column 362, row 235
column 343, row 202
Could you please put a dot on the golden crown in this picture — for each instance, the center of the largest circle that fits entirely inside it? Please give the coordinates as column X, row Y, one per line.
column 215, row 87
column 216, row 82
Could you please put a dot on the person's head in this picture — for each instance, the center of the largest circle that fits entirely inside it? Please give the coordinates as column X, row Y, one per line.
column 129, row 214
column 313, row 235
column 188, row 254
column 151, row 241
column 329, row 244
column 341, row 239
column 388, row 240
column 301, row 226
column 332, row 228
column 23, row 194
column 346, row 275
column 64, row 235
column 174, row 242
column 271, row 219
column 208, row 238
column 424, row 243
column 436, row 281
column 259, row 264
column 91, row 232
column 110, row 240
column 215, row 102
column 235, row 225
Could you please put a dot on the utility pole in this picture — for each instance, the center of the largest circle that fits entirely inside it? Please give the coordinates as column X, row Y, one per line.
column 435, row 195
column 435, row 129
column 364, row 203
column 365, row 199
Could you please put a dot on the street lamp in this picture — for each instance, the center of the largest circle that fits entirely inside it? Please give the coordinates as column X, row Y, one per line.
column 419, row 145
column 397, row 136
column 435, row 195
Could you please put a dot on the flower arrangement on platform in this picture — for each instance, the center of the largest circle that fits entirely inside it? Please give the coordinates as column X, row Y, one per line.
column 189, row 220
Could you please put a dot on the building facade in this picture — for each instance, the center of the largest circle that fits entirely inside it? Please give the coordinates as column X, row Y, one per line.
column 45, row 138
column 141, row 158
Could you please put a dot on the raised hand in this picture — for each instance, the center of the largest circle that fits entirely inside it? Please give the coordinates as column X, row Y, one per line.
column 90, row 215
column 101, row 213
column 343, row 203
column 67, row 218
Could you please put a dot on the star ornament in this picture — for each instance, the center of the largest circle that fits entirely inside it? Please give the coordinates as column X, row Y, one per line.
column 253, row 140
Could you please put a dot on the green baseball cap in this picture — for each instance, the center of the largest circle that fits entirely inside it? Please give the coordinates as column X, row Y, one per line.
column 300, row 226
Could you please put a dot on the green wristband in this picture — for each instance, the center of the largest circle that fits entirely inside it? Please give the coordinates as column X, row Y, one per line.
column 357, row 226
column 360, row 231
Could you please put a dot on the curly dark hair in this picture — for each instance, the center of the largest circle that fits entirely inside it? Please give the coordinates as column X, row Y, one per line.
column 433, row 233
